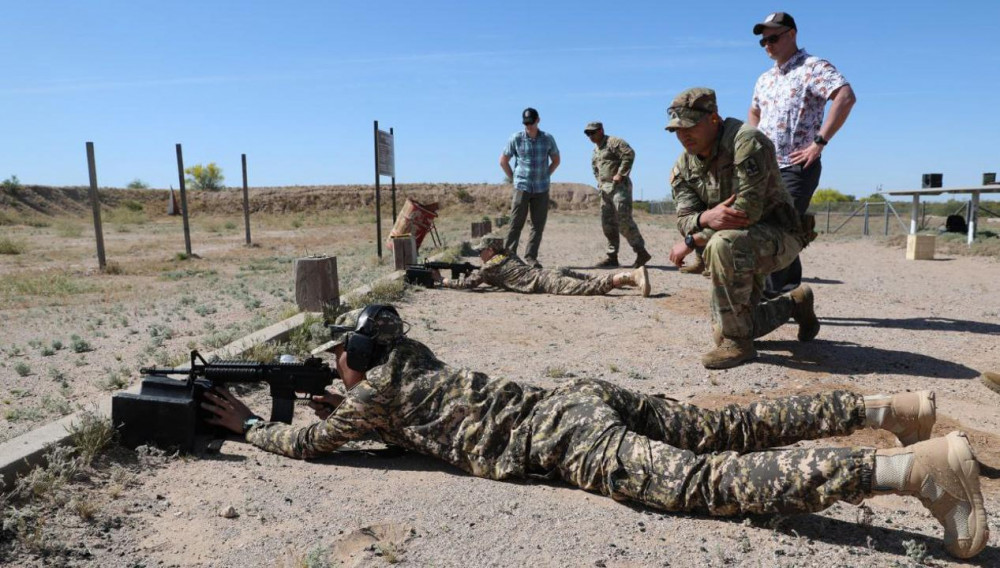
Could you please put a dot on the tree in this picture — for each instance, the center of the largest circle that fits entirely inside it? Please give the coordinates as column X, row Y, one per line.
column 873, row 198
column 208, row 177
column 830, row 195
column 137, row 184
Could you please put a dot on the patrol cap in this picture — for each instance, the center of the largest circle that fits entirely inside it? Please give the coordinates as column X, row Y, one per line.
column 592, row 127
column 775, row 20
column 691, row 106
column 529, row 116
column 342, row 327
column 489, row 242
column 380, row 322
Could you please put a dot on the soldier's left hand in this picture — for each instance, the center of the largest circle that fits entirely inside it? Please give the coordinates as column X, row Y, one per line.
column 807, row 155
column 617, row 178
column 678, row 253
column 229, row 411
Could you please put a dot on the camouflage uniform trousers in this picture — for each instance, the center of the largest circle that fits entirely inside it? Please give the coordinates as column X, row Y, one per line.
column 616, row 216
column 678, row 457
column 739, row 261
column 566, row 282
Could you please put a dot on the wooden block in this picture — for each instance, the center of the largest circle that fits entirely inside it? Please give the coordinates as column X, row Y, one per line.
column 920, row 247
column 316, row 283
column 404, row 251
column 479, row 229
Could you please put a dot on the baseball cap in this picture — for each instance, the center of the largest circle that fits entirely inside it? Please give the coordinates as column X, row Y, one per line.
column 691, row 106
column 489, row 242
column 529, row 116
column 775, row 20
column 592, row 127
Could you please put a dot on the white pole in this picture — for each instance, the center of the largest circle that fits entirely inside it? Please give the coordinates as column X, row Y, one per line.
column 913, row 214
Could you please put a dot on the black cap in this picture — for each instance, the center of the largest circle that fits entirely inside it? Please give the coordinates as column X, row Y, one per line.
column 775, row 20
column 529, row 116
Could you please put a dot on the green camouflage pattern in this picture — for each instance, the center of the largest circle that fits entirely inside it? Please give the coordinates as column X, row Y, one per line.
column 598, row 436
column 614, row 156
column 689, row 107
column 509, row 272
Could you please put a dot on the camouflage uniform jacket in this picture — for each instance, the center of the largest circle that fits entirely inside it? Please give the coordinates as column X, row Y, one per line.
column 611, row 156
column 415, row 401
column 504, row 270
column 742, row 163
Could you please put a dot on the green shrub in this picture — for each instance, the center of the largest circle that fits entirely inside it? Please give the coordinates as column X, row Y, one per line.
column 137, row 184
column 10, row 246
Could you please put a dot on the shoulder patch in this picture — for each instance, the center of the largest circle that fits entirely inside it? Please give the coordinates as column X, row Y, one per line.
column 751, row 167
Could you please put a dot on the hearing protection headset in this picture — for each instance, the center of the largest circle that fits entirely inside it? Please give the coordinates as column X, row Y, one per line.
column 379, row 326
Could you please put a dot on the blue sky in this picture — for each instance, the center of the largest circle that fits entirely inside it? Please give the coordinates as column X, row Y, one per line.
column 296, row 86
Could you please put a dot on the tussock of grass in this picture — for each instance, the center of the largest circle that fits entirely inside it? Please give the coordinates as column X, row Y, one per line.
column 126, row 216
column 11, row 246
column 68, row 229
column 90, row 434
column 382, row 292
column 52, row 283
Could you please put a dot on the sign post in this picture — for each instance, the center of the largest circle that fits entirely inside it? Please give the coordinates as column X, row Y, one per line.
column 385, row 165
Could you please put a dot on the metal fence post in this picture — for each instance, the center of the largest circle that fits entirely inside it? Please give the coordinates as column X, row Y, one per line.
column 866, row 219
column 829, row 205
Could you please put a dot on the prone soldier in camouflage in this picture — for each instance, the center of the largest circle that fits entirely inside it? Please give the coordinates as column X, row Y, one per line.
column 730, row 200
column 635, row 447
column 503, row 269
column 612, row 162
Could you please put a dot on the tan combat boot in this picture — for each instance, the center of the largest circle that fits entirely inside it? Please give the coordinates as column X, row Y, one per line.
column 697, row 267
column 944, row 474
column 729, row 353
column 909, row 415
column 638, row 278
column 991, row 380
column 803, row 312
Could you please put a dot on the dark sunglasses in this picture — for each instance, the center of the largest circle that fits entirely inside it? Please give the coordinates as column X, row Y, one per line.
column 772, row 39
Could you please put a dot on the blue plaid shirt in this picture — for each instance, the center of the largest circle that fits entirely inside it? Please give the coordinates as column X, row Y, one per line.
column 531, row 168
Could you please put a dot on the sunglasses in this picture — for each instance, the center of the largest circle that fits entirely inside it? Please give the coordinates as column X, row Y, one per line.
column 772, row 39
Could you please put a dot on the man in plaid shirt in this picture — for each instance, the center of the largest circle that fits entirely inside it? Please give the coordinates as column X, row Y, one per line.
column 536, row 157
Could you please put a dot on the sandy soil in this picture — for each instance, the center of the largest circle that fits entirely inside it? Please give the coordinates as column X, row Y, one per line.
column 888, row 325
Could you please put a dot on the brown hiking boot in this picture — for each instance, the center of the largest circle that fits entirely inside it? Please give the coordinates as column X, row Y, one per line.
column 944, row 474
column 730, row 353
column 642, row 256
column 804, row 313
column 991, row 380
column 909, row 415
column 609, row 261
column 697, row 267
column 641, row 278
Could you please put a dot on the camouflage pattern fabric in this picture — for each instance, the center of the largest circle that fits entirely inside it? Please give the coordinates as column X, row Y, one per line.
column 739, row 261
column 598, row 436
column 509, row 272
column 614, row 156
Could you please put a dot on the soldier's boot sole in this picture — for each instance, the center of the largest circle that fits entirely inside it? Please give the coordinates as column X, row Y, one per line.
column 640, row 276
column 909, row 415
column 641, row 258
column 730, row 353
column 991, row 380
column 804, row 313
column 944, row 475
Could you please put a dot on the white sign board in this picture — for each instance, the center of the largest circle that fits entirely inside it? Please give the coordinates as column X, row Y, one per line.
column 386, row 155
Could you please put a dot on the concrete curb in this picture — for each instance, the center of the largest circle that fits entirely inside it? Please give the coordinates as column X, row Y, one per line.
column 20, row 454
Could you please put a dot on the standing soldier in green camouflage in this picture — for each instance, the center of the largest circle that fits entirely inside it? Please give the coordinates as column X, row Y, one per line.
column 731, row 202
column 505, row 270
column 612, row 162
column 629, row 446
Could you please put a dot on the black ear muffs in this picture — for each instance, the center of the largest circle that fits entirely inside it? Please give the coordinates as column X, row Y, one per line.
column 360, row 351
column 366, row 344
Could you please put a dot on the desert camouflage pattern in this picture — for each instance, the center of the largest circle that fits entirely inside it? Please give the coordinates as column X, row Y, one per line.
column 743, row 163
column 600, row 437
column 614, row 156
column 509, row 272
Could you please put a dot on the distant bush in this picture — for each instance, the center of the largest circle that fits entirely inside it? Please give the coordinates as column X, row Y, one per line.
column 137, row 184
column 10, row 246
column 208, row 178
column 133, row 205
column 830, row 195
column 11, row 184
column 641, row 206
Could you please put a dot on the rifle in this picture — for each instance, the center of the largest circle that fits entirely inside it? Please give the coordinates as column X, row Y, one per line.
column 421, row 273
column 168, row 411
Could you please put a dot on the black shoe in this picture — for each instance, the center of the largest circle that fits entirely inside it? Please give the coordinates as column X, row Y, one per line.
column 532, row 263
column 610, row 261
column 641, row 258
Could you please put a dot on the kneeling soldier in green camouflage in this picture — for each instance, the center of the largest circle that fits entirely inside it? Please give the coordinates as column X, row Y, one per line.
column 503, row 269
column 629, row 446
column 731, row 202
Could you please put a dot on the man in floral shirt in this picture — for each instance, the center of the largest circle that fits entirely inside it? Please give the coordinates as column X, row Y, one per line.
column 788, row 104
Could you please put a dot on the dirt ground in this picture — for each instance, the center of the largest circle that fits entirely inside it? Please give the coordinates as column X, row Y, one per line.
column 888, row 325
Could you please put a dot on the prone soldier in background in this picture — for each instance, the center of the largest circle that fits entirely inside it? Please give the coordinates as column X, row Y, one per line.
column 505, row 270
column 629, row 446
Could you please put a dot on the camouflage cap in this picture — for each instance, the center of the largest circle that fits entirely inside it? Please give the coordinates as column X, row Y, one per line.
column 691, row 106
column 490, row 242
column 592, row 127
column 343, row 326
column 383, row 325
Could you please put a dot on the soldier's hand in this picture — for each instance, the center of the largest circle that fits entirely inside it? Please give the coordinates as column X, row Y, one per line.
column 324, row 404
column 678, row 252
column 229, row 412
column 436, row 275
column 723, row 216
column 617, row 178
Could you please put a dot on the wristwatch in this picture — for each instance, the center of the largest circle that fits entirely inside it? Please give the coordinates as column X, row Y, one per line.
column 689, row 242
column 818, row 139
column 250, row 422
